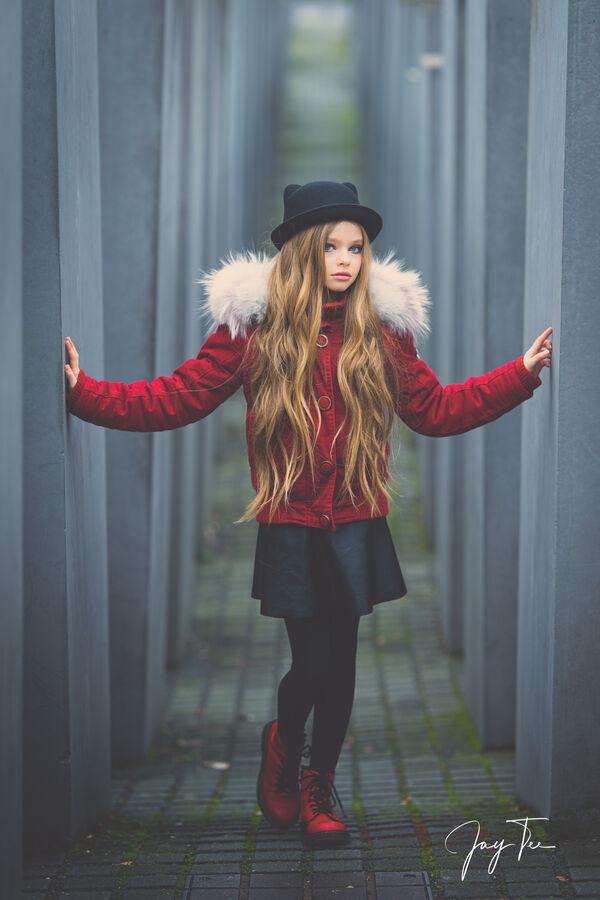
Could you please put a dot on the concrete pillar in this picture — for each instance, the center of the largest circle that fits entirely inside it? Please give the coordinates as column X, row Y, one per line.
column 192, row 234
column 558, row 708
column 66, row 728
column 450, row 322
column 496, row 78
column 426, row 226
column 139, row 43
column 11, row 438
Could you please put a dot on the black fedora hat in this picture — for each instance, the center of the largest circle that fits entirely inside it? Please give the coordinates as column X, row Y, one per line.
column 323, row 201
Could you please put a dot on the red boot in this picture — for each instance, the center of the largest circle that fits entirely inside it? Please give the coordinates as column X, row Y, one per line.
column 277, row 789
column 320, row 826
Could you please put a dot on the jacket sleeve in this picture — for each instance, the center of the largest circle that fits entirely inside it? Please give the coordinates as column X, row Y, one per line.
column 428, row 408
column 194, row 390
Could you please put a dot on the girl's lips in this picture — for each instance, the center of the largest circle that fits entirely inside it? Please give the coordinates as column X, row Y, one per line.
column 342, row 275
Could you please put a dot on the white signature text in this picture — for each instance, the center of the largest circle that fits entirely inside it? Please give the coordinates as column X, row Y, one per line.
column 499, row 846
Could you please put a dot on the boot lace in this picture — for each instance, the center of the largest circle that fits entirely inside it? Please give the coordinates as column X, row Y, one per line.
column 286, row 777
column 323, row 796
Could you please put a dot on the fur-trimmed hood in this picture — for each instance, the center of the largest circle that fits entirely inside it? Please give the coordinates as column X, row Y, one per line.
column 236, row 293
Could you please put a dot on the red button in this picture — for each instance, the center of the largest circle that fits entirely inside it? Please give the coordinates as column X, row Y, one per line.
column 325, row 520
column 324, row 402
column 326, row 467
column 322, row 341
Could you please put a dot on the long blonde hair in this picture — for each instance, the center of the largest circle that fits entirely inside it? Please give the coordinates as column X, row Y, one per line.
column 282, row 350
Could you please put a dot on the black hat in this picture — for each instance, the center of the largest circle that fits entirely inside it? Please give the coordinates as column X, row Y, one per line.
column 323, row 201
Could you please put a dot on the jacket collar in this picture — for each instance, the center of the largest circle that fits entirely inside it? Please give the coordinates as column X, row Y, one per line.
column 236, row 294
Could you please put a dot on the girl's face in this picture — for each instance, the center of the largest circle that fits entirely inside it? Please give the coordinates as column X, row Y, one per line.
column 343, row 256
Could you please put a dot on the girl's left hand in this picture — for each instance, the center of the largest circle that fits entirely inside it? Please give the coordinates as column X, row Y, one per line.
column 539, row 354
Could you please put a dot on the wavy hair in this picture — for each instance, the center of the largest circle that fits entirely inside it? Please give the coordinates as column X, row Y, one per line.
column 285, row 418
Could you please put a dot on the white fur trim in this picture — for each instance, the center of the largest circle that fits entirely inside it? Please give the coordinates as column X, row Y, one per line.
column 237, row 293
column 237, row 290
column 401, row 300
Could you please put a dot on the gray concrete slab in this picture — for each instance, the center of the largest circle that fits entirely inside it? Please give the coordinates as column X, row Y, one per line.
column 11, row 459
column 450, row 474
column 138, row 138
column 558, row 719
column 66, row 729
column 496, row 79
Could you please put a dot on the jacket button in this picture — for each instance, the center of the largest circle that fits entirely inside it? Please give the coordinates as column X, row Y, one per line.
column 324, row 520
column 322, row 341
column 324, row 402
column 326, row 467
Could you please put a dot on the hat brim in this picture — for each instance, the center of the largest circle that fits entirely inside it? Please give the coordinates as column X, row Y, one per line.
column 350, row 212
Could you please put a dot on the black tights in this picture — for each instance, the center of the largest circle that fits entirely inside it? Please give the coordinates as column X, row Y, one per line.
column 322, row 675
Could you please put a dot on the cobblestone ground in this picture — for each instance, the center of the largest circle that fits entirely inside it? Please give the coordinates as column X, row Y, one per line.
column 185, row 824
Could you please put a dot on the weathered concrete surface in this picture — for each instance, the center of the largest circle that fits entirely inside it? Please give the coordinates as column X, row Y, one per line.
column 496, row 78
column 139, row 109
column 66, row 728
column 558, row 717
column 11, row 458
column 450, row 470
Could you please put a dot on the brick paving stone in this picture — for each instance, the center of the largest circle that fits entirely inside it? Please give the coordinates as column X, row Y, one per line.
column 410, row 893
column 528, row 889
column 587, row 889
column 473, row 876
column 147, row 881
column 89, row 882
column 281, row 880
column 267, row 893
column 151, row 894
column 36, row 884
column 581, row 852
column 584, row 873
column 525, row 873
column 212, row 894
column 328, row 864
column 213, row 882
column 464, row 890
column 338, row 879
column 277, row 865
column 86, row 895
column 214, row 867
column 337, row 893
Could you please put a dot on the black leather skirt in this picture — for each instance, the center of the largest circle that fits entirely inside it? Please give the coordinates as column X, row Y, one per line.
column 301, row 571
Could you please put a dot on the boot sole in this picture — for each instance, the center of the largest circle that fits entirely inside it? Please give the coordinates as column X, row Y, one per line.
column 324, row 839
column 275, row 823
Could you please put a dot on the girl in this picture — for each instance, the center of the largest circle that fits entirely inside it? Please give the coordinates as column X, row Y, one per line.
column 322, row 338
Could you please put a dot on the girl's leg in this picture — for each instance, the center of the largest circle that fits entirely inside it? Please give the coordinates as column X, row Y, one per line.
column 334, row 700
column 310, row 645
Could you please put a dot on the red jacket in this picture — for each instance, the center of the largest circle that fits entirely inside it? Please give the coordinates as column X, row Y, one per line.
column 237, row 302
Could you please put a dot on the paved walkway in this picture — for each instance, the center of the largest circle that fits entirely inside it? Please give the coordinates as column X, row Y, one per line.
column 185, row 824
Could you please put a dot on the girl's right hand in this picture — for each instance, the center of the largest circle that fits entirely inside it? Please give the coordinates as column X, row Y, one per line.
column 72, row 368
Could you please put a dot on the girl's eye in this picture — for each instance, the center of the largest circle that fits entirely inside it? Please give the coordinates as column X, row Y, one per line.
column 355, row 248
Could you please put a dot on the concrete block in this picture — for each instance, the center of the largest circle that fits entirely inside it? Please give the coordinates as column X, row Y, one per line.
column 450, row 322
column 497, row 50
column 558, row 716
column 66, row 728
column 139, row 221
column 11, row 464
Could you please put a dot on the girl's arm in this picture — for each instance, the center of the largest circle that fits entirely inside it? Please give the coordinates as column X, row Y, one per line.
column 431, row 409
column 192, row 392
